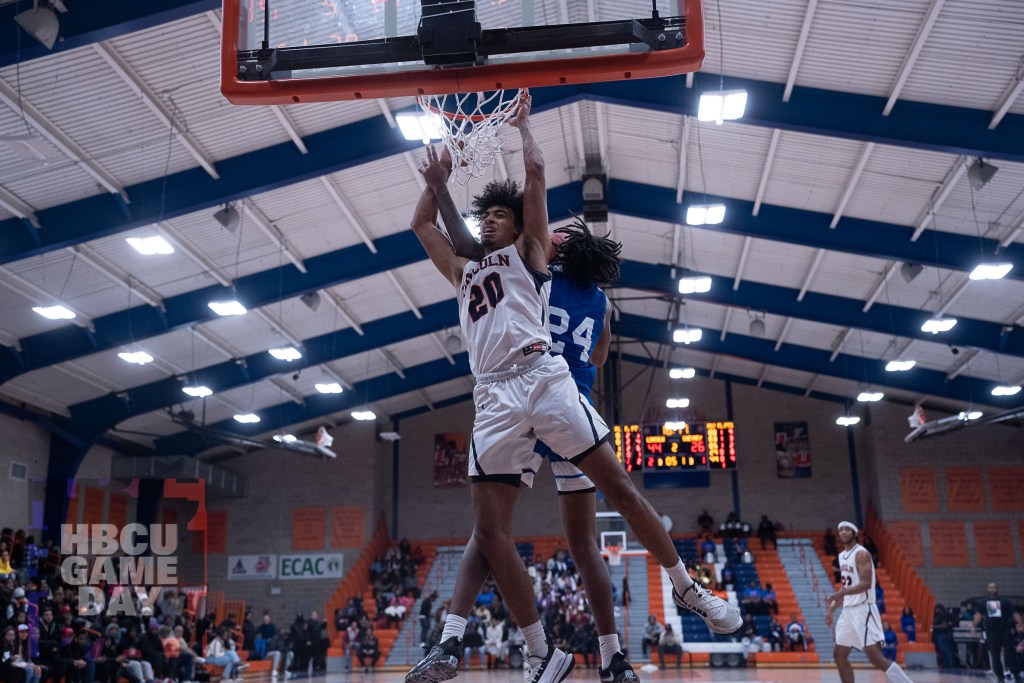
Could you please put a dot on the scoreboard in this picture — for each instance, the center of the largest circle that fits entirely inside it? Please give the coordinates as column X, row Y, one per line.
column 693, row 447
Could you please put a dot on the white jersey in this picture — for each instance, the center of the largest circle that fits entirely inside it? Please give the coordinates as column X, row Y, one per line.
column 503, row 310
column 851, row 577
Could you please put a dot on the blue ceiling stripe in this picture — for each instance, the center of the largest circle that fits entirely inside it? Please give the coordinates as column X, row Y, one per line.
column 93, row 22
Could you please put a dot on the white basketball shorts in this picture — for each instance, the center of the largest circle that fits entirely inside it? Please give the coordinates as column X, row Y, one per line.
column 516, row 408
column 859, row 626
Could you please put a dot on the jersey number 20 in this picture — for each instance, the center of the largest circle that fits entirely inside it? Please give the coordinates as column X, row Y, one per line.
column 494, row 292
column 558, row 322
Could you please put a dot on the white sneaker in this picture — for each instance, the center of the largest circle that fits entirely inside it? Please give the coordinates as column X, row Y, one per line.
column 719, row 615
column 552, row 669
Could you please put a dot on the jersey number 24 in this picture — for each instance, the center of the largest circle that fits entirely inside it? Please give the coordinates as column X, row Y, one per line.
column 582, row 336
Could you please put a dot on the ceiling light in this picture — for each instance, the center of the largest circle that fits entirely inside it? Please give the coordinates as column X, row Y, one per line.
column 688, row 335
column 285, row 438
column 1005, row 390
column 472, row 224
column 705, row 214
column 991, row 271
column 248, row 418
column 677, row 403
column 675, row 426
column 848, row 421
column 227, row 308
column 363, row 415
column 288, row 353
column 870, row 396
column 150, row 246
column 311, row 300
column 722, row 105
column 55, row 312
column 329, row 388
column 899, row 365
column 682, row 373
column 228, row 217
column 937, row 325
column 198, row 391
column 418, row 126
column 970, row 415
column 757, row 328
column 41, row 23
column 979, row 173
column 136, row 357
column 910, row 271
column 694, row 285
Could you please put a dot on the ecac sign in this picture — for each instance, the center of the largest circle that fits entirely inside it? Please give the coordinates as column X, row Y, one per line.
column 313, row 566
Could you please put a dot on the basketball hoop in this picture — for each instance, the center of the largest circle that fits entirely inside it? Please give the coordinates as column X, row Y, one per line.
column 468, row 125
column 614, row 555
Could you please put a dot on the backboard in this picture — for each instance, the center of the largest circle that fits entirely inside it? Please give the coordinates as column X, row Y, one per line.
column 289, row 51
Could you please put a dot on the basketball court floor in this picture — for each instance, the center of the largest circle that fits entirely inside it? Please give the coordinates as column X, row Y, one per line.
column 698, row 675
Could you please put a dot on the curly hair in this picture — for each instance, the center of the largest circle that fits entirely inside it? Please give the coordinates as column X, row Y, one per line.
column 586, row 258
column 500, row 193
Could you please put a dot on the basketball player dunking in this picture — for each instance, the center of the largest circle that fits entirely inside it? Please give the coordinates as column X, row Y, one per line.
column 859, row 625
column 522, row 394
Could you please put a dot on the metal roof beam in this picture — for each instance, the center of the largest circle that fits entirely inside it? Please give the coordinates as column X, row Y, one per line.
column 118, row 276
column 288, row 390
column 908, row 63
column 811, row 385
column 743, row 262
column 392, row 361
column 940, row 196
column 783, row 333
column 1013, row 232
column 289, row 127
column 684, row 141
column 810, row 274
column 40, row 297
column 19, row 105
column 726, row 321
column 19, row 208
column 279, row 328
column 215, row 342
column 798, row 53
column 967, row 357
column 761, row 377
column 404, row 293
column 851, row 184
column 194, row 254
column 348, row 213
column 273, row 233
column 124, row 71
column 1009, row 96
column 769, row 159
column 880, row 287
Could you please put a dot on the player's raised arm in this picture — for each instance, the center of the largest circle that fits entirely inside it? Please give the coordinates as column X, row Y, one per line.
column 536, row 238
column 461, row 238
column 604, row 342
column 435, row 242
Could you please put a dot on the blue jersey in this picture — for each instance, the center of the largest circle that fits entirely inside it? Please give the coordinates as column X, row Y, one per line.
column 576, row 320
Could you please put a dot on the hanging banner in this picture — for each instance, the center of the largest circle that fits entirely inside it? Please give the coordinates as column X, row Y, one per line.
column 450, row 457
column 964, row 489
column 792, row 450
column 949, row 543
column 308, row 528
column 348, row 524
column 312, row 566
column 1006, row 483
column 993, row 544
column 907, row 535
column 250, row 567
column 918, row 489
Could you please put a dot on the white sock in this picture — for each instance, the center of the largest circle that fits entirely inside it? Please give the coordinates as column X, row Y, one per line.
column 680, row 578
column 895, row 674
column 609, row 646
column 536, row 640
column 454, row 625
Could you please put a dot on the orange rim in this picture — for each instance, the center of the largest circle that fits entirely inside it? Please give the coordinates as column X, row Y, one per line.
column 475, row 118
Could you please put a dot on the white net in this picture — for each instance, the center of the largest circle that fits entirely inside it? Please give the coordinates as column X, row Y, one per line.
column 469, row 124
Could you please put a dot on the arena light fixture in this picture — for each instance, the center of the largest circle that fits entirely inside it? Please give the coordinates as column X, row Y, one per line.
column 150, row 246
column 328, row 387
column 682, row 373
column 677, row 403
column 55, row 312
column 870, row 396
column 970, row 415
column 899, row 365
column 694, row 285
column 226, row 308
column 135, row 357
column 979, row 174
column 41, row 23
column 285, row 438
column 247, row 418
column 288, row 353
column 847, row 420
column 938, row 325
column 722, row 105
column 418, row 126
column 198, row 391
column 675, row 426
column 688, row 335
column 364, row 415
column 991, row 271
column 472, row 224
column 705, row 214
column 228, row 217
column 1006, row 390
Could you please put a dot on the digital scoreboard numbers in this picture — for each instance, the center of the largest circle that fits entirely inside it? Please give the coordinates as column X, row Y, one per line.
column 675, row 450
column 694, row 447
column 628, row 446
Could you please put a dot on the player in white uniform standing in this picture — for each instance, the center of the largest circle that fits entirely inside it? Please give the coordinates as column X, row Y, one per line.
column 524, row 394
column 859, row 625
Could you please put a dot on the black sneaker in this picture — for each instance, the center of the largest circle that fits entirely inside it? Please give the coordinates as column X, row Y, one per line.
column 619, row 671
column 552, row 669
column 440, row 664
